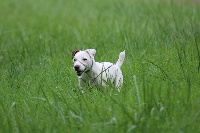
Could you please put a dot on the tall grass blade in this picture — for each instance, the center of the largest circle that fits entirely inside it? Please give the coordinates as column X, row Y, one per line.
column 137, row 90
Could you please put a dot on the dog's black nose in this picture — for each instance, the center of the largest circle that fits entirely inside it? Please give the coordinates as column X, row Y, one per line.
column 76, row 68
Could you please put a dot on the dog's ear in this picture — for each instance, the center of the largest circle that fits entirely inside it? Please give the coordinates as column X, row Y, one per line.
column 74, row 52
column 91, row 51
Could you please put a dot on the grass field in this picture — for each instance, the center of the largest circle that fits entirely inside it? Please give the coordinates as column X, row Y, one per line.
column 38, row 87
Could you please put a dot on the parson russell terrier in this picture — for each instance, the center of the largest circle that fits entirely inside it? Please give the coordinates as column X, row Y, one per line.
column 95, row 73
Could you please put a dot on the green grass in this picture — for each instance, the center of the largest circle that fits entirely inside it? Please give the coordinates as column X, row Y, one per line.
column 38, row 87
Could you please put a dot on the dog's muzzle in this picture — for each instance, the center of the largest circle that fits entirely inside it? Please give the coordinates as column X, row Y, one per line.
column 78, row 71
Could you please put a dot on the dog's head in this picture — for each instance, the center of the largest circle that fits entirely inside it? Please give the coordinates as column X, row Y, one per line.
column 83, row 60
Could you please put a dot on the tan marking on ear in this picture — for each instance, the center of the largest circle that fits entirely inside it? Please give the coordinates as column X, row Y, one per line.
column 74, row 52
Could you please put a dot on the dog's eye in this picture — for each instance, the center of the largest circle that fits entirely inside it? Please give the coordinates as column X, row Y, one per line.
column 74, row 60
column 84, row 59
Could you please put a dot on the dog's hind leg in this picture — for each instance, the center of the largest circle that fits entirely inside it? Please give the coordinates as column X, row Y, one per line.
column 119, row 82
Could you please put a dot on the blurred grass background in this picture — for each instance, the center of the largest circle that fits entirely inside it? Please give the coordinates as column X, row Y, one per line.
column 39, row 90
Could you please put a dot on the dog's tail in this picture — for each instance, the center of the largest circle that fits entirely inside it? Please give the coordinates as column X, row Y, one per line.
column 121, row 59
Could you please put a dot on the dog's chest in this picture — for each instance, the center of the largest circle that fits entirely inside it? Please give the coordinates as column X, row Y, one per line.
column 90, row 79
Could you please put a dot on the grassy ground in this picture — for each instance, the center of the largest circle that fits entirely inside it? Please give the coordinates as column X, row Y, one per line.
column 39, row 90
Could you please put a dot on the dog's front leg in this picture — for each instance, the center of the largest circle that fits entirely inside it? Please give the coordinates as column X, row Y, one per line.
column 80, row 84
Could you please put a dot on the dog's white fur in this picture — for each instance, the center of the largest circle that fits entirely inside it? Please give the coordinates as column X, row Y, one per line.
column 95, row 73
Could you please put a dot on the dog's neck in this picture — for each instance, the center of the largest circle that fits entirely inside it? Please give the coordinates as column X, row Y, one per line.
column 90, row 72
column 90, row 69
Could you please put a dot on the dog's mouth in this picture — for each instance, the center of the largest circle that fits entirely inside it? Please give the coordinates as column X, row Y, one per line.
column 79, row 73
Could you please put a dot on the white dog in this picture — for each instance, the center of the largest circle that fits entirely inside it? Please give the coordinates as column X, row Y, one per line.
column 95, row 73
